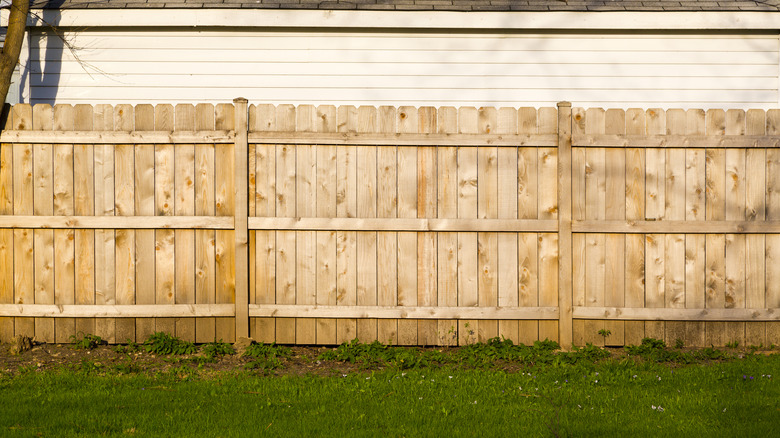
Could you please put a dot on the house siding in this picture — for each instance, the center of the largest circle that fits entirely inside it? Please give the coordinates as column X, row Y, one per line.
column 686, row 70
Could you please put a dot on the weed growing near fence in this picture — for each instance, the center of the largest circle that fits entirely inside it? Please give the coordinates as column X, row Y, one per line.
column 213, row 350
column 86, row 341
column 163, row 343
column 266, row 357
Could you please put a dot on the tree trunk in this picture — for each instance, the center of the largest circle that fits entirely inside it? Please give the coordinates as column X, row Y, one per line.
column 17, row 23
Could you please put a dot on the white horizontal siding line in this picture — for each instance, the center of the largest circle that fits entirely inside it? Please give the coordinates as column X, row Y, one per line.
column 259, row 18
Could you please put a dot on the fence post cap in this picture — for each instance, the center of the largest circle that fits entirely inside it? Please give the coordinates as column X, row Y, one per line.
column 240, row 100
column 564, row 103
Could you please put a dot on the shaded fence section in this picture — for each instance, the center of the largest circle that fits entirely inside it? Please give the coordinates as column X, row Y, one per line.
column 415, row 226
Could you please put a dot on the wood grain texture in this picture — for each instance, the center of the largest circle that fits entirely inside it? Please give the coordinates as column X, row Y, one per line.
column 6, row 235
column 224, row 198
column 327, row 176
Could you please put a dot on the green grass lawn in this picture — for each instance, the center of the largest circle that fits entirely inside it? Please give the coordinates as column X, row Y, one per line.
column 736, row 398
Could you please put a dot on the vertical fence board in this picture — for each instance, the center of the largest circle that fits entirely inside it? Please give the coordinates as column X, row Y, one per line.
column 367, row 240
column 43, row 204
column 7, row 235
column 327, row 178
column 265, row 206
column 24, row 267
column 305, row 241
column 387, row 242
column 105, row 240
column 224, row 198
column 579, row 172
column 674, row 287
column 615, row 249
column 407, row 122
column 715, row 209
column 184, row 205
column 467, row 209
column 655, row 209
column 635, row 210
column 528, row 199
column 285, row 240
column 755, row 244
column 205, row 240
column 346, row 206
column 549, row 254
column 508, row 194
column 773, row 240
column 64, row 251
column 735, row 210
column 427, row 196
column 164, row 179
column 595, row 209
column 447, row 205
column 124, row 200
column 145, row 252
column 487, row 207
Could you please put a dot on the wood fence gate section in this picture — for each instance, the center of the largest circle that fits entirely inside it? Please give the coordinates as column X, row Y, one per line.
column 413, row 226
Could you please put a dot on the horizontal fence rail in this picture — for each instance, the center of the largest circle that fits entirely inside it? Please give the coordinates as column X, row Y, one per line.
column 413, row 226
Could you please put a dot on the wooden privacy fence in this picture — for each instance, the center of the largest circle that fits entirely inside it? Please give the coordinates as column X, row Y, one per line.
column 316, row 225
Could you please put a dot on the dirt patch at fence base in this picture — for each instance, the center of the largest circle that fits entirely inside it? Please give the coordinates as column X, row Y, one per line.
column 117, row 359
column 110, row 359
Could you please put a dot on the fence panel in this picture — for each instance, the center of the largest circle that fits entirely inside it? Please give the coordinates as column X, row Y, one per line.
column 412, row 226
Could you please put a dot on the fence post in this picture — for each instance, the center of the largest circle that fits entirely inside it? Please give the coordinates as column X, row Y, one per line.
column 241, row 214
column 564, row 226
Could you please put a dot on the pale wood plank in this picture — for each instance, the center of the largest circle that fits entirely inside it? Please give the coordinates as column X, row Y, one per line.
column 467, row 242
column 548, row 209
column 772, row 213
column 529, row 161
column 367, row 207
column 407, row 122
column 755, row 210
column 43, row 204
column 395, row 312
column 146, row 278
column 346, row 206
column 184, row 204
column 111, row 311
column 508, row 206
column 595, row 208
column 305, row 241
column 6, row 235
column 327, row 167
column 715, row 209
column 427, row 251
column 712, row 316
column 387, row 243
column 105, row 240
column 655, row 208
column 580, row 170
column 674, row 287
column 635, row 210
column 615, row 272
column 205, row 240
column 263, row 118
column 124, row 201
column 447, row 243
column 164, row 202
column 23, row 187
column 224, row 198
column 487, row 207
column 735, row 210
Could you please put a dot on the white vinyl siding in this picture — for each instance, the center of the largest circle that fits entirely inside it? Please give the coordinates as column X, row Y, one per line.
column 437, row 69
